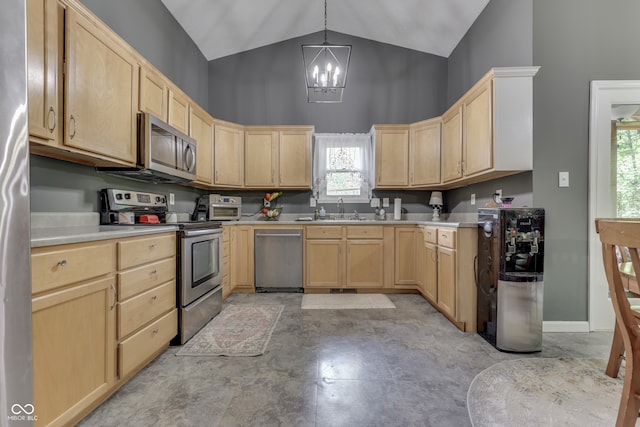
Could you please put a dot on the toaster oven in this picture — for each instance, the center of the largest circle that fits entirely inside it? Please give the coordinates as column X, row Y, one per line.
column 225, row 208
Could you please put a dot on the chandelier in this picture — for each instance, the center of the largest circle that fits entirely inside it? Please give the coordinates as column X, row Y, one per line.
column 325, row 69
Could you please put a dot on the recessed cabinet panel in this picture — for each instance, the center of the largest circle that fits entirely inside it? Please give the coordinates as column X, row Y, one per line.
column 477, row 131
column 102, row 91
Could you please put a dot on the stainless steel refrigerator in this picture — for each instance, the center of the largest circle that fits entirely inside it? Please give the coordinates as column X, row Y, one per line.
column 16, row 385
column 509, row 278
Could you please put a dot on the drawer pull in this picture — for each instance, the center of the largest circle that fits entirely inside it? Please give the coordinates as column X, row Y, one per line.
column 155, row 297
column 62, row 263
column 153, row 272
column 52, row 113
column 154, row 245
column 72, row 120
column 155, row 331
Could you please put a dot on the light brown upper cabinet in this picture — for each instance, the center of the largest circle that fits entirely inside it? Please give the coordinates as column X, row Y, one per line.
column 278, row 157
column 488, row 133
column 179, row 106
column 424, row 153
column 201, row 129
column 228, row 154
column 154, row 92
column 391, row 156
column 44, row 47
column 260, row 157
column 408, row 156
column 451, row 148
column 101, row 94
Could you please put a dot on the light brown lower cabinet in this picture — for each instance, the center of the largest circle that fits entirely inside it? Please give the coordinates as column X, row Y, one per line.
column 449, row 282
column 344, row 256
column 100, row 311
column 73, row 349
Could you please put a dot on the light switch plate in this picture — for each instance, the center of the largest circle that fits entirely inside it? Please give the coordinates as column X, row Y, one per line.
column 385, row 202
column 473, row 199
column 563, row 179
column 375, row 202
column 312, row 202
column 172, row 199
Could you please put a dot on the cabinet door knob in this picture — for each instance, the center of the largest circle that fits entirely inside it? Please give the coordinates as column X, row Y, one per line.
column 62, row 262
column 155, row 297
column 155, row 331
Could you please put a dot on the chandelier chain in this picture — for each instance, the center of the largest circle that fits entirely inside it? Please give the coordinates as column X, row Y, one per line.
column 325, row 21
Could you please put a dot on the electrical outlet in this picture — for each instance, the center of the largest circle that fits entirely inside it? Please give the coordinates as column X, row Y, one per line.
column 172, row 199
column 312, row 202
column 375, row 202
column 499, row 192
column 473, row 199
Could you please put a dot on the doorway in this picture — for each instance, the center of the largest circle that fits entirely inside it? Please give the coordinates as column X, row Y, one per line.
column 608, row 99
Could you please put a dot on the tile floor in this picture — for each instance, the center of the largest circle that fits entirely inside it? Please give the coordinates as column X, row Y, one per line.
column 395, row 367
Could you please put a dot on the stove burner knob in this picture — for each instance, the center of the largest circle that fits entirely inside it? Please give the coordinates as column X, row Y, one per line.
column 127, row 196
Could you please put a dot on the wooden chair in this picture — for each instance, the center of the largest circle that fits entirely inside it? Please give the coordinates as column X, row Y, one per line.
column 623, row 236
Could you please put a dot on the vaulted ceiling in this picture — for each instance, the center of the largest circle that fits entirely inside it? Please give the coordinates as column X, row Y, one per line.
column 226, row 27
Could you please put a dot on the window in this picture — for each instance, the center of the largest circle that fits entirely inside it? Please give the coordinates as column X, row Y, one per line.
column 342, row 167
column 625, row 159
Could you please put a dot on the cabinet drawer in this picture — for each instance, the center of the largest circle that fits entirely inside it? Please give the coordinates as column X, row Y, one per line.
column 58, row 266
column 364, row 232
column 447, row 238
column 140, row 346
column 139, row 251
column 430, row 235
column 324, row 232
column 140, row 279
column 135, row 312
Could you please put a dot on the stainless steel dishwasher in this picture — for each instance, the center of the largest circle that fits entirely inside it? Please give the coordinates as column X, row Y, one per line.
column 278, row 260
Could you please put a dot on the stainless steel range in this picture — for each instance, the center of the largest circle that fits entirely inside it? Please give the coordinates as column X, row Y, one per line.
column 199, row 254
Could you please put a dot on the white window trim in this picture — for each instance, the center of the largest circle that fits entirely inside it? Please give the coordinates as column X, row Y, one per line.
column 320, row 193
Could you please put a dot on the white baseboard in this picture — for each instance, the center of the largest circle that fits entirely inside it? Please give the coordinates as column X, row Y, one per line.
column 561, row 326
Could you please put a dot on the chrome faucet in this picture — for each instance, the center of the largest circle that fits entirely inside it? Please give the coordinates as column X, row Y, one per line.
column 340, row 207
column 356, row 215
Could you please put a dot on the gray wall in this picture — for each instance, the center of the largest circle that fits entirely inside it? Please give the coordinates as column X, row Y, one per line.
column 385, row 84
column 148, row 26
column 58, row 186
column 500, row 37
column 575, row 41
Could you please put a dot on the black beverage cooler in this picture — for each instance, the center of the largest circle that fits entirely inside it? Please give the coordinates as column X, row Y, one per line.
column 509, row 277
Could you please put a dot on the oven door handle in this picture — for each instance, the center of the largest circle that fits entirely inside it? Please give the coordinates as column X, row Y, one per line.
column 201, row 232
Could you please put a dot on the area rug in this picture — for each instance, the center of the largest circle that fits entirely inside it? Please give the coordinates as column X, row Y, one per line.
column 345, row 301
column 239, row 330
column 545, row 392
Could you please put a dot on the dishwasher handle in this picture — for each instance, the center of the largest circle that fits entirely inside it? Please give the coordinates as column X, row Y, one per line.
column 279, row 235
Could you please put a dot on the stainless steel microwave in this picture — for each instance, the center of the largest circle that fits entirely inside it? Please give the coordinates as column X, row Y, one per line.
column 165, row 155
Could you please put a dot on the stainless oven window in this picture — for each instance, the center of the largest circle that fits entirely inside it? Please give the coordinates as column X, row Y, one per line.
column 205, row 263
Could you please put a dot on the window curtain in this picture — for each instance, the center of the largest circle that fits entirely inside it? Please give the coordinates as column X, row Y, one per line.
column 323, row 164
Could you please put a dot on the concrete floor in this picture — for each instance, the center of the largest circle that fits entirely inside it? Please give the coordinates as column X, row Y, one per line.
column 407, row 366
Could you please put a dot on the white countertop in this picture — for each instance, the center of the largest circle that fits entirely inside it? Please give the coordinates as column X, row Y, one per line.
column 446, row 220
column 49, row 229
